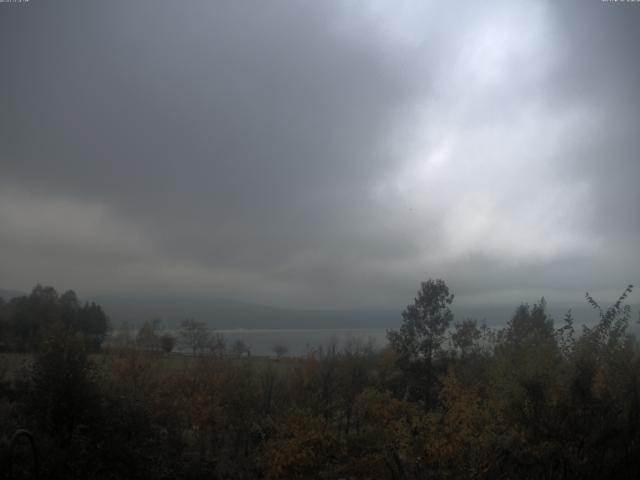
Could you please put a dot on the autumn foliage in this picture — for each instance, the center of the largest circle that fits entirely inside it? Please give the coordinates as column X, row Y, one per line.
column 446, row 400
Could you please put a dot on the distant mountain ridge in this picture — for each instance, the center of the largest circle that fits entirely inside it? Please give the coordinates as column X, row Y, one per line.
column 222, row 313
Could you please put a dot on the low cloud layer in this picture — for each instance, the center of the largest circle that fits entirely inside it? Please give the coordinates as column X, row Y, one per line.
column 320, row 154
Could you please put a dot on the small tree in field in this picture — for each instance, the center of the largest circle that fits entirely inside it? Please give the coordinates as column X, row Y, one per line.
column 147, row 337
column 280, row 350
column 123, row 337
column 239, row 348
column 167, row 343
column 194, row 335
column 217, row 345
column 418, row 343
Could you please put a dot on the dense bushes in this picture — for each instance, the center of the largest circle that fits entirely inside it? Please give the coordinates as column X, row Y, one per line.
column 532, row 400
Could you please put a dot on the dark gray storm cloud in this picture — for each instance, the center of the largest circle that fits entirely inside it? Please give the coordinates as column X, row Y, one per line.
column 319, row 154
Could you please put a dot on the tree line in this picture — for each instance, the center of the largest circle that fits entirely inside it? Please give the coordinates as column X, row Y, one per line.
column 446, row 399
column 25, row 321
column 193, row 336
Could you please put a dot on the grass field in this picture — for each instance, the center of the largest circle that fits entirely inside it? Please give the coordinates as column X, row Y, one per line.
column 15, row 365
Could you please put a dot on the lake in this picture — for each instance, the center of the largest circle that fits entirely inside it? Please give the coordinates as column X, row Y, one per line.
column 301, row 341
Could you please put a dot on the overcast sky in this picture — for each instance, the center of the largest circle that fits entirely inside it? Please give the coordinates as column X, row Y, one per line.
column 320, row 154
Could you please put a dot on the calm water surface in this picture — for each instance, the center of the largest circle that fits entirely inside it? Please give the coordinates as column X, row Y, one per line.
column 299, row 342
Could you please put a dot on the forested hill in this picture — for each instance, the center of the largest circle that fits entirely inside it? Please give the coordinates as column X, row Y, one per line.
column 222, row 313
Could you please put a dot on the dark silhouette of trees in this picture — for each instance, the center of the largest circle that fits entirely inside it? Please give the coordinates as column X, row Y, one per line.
column 217, row 345
column 280, row 350
column 63, row 390
column 239, row 348
column 147, row 337
column 25, row 321
column 167, row 342
column 195, row 335
column 529, row 324
column 466, row 337
column 418, row 343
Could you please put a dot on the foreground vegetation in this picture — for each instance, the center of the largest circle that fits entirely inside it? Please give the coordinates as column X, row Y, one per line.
column 446, row 400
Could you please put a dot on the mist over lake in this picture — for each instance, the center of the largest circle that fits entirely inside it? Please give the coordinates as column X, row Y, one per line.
column 302, row 341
